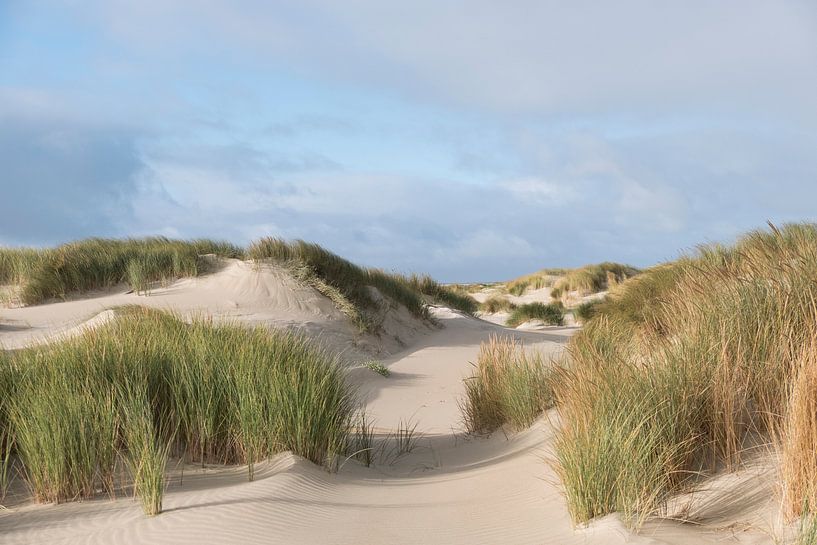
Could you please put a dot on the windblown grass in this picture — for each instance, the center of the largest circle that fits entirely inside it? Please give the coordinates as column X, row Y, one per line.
column 509, row 386
column 592, row 278
column 350, row 286
column 685, row 364
column 6, row 388
column 585, row 280
column 495, row 304
column 807, row 529
column 450, row 296
column 551, row 314
column 17, row 264
column 147, row 385
column 534, row 281
column 587, row 310
column 99, row 263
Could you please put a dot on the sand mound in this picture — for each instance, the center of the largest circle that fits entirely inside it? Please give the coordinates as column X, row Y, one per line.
column 256, row 294
column 450, row 489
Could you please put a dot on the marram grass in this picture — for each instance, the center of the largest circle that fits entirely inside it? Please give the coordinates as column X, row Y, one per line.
column 495, row 304
column 147, row 386
column 350, row 286
column 97, row 263
column 364, row 294
column 550, row 314
column 585, row 280
column 686, row 363
column 509, row 386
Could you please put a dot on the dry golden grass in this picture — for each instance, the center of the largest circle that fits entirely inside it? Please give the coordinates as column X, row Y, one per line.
column 799, row 437
column 686, row 364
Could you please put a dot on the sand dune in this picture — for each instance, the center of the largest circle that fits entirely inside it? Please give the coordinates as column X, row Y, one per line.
column 449, row 489
column 256, row 294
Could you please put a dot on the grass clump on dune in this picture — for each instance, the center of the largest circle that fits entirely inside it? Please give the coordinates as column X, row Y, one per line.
column 99, row 263
column 509, row 386
column 495, row 304
column 446, row 295
column 6, row 387
column 17, row 264
column 592, row 278
column 551, row 314
column 683, row 366
column 585, row 280
column 349, row 285
column 587, row 310
column 148, row 385
column 534, row 281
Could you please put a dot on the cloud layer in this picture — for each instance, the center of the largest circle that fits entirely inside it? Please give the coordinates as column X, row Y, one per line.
column 473, row 141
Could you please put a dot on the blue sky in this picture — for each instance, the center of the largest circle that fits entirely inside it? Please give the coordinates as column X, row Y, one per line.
column 473, row 140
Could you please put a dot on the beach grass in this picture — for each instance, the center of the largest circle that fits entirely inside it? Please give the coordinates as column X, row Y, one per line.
column 97, row 263
column 534, row 281
column 350, row 286
column 592, row 278
column 6, row 445
column 686, row 363
column 585, row 311
column 585, row 280
column 551, row 314
column 495, row 304
column 148, row 385
column 364, row 294
column 509, row 386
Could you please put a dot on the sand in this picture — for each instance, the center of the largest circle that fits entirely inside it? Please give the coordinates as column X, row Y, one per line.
column 450, row 489
column 238, row 291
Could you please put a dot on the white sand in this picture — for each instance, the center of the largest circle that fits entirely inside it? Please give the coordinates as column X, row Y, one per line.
column 240, row 291
column 451, row 489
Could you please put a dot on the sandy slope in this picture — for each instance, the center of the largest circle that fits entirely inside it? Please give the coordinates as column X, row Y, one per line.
column 451, row 489
column 239, row 291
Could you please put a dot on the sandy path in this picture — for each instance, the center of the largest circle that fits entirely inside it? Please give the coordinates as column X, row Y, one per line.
column 451, row 489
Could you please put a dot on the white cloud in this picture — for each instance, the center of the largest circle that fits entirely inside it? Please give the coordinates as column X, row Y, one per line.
column 541, row 191
column 530, row 56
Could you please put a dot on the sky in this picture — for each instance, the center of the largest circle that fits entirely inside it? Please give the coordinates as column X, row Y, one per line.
column 473, row 140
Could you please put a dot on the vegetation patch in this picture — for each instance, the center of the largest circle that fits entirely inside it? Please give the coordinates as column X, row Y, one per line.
column 377, row 367
column 686, row 363
column 587, row 310
column 349, row 285
column 147, row 385
column 98, row 263
column 538, row 280
column 38, row 275
column 592, row 278
column 509, row 386
column 551, row 314
column 495, row 304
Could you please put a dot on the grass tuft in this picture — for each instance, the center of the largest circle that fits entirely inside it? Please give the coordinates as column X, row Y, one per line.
column 148, row 385
column 509, row 386
column 350, row 286
column 587, row 310
column 585, row 280
column 683, row 366
column 495, row 304
column 593, row 278
column 551, row 314
column 98, row 263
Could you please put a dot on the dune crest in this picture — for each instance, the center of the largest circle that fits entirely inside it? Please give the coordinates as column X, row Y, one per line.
column 252, row 293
